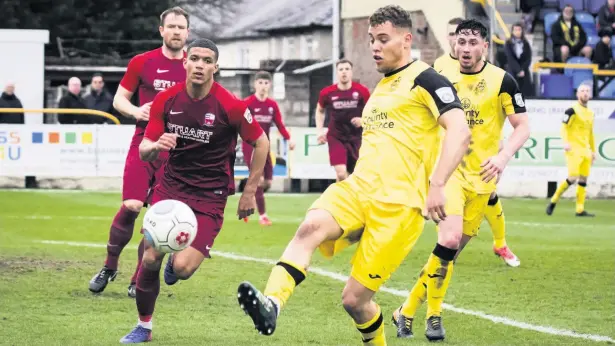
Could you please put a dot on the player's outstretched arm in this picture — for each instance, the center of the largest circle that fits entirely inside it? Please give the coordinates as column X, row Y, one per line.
column 128, row 85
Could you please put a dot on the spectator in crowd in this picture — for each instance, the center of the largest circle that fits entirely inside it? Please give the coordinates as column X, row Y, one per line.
column 531, row 10
column 99, row 98
column 519, row 58
column 603, row 56
column 569, row 38
column 606, row 16
column 9, row 100
column 73, row 100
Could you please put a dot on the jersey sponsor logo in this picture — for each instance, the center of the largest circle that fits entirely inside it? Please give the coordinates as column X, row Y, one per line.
column 263, row 118
column 248, row 116
column 377, row 120
column 190, row 133
column 162, row 84
column 472, row 115
column 446, row 94
column 345, row 104
column 161, row 71
column 519, row 100
column 209, row 119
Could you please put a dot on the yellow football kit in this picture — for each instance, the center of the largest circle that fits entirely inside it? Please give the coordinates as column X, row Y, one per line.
column 447, row 66
column 578, row 132
column 487, row 97
column 380, row 204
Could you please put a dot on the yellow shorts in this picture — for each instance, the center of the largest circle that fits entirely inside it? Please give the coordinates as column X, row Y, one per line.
column 578, row 164
column 385, row 232
column 466, row 203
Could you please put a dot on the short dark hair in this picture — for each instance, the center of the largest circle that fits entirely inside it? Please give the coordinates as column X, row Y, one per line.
column 472, row 26
column 455, row 21
column 399, row 17
column 203, row 43
column 263, row 75
column 343, row 61
column 178, row 11
column 97, row 74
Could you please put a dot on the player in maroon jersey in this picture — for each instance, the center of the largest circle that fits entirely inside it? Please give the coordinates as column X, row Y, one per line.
column 343, row 102
column 266, row 112
column 148, row 73
column 198, row 122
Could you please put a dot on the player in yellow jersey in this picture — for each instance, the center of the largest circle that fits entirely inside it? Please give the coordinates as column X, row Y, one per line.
column 448, row 66
column 580, row 147
column 383, row 204
column 489, row 96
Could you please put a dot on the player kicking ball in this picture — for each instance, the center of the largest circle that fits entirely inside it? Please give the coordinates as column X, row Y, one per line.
column 580, row 146
column 489, row 96
column 147, row 73
column 266, row 112
column 382, row 205
column 197, row 122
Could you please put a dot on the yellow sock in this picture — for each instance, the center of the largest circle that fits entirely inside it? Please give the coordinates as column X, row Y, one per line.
column 495, row 217
column 373, row 330
column 282, row 281
column 581, row 197
column 439, row 273
column 417, row 296
column 563, row 186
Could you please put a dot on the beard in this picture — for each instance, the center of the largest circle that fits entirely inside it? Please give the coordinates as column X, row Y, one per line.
column 174, row 45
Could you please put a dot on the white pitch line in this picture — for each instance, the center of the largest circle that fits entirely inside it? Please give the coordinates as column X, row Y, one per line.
column 399, row 293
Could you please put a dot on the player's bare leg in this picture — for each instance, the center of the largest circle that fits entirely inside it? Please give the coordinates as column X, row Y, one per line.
column 260, row 202
column 341, row 172
column 122, row 229
column 317, row 227
column 563, row 186
column 148, row 287
column 182, row 265
column 367, row 315
column 580, row 207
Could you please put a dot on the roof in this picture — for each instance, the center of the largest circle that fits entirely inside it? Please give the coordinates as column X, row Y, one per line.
column 257, row 17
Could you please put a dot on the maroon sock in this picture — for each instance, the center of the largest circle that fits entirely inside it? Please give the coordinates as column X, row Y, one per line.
column 133, row 279
column 120, row 234
column 148, row 287
column 260, row 200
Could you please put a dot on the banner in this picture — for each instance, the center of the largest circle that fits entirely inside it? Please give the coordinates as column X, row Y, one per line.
column 310, row 160
column 279, row 152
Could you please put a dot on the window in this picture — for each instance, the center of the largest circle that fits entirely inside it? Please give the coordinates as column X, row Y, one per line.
column 243, row 56
column 289, row 48
column 307, row 47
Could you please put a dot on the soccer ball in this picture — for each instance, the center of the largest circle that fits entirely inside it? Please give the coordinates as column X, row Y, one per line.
column 169, row 226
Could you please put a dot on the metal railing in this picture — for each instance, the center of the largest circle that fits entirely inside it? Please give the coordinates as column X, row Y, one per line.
column 596, row 73
column 63, row 111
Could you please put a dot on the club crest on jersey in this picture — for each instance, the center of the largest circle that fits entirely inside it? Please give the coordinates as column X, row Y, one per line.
column 270, row 110
column 480, row 87
column 248, row 116
column 209, row 120
column 355, row 95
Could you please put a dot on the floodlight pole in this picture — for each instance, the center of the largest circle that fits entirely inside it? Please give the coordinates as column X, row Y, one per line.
column 335, row 51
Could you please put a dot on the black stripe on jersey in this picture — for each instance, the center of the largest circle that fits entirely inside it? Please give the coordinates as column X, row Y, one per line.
column 435, row 84
column 510, row 87
column 568, row 115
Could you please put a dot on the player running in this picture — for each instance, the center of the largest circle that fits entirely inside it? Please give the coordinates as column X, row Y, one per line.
column 266, row 112
column 383, row 204
column 448, row 66
column 343, row 102
column 489, row 96
column 198, row 122
column 149, row 73
column 580, row 146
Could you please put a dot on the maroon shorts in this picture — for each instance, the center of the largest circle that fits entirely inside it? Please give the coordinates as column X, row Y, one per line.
column 140, row 176
column 344, row 152
column 247, row 157
column 209, row 217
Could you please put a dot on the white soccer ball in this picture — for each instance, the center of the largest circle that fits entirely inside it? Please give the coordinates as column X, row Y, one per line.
column 169, row 226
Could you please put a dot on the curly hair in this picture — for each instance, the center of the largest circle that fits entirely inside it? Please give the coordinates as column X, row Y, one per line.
column 472, row 27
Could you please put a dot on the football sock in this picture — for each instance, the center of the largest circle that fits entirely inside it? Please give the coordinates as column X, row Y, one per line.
column 563, row 186
column 148, row 287
column 140, row 250
column 417, row 296
column 260, row 200
column 120, row 234
column 581, row 197
column 285, row 276
column 439, row 273
column 495, row 217
column 373, row 330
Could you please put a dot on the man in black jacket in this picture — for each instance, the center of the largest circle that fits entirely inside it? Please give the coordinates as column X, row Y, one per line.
column 9, row 100
column 73, row 100
column 99, row 98
column 606, row 16
column 569, row 38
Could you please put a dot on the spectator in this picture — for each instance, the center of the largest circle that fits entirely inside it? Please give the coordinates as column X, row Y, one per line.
column 9, row 100
column 568, row 37
column 519, row 58
column 531, row 10
column 99, row 98
column 73, row 100
column 603, row 56
column 606, row 16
